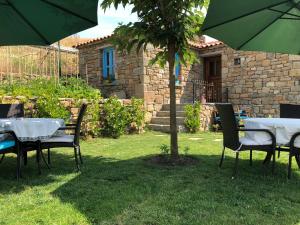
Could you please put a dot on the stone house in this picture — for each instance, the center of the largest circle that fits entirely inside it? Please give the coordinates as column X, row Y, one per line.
column 131, row 75
column 257, row 81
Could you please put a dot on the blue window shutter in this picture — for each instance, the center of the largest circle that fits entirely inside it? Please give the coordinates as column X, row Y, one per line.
column 177, row 66
column 104, row 66
column 112, row 64
column 108, row 63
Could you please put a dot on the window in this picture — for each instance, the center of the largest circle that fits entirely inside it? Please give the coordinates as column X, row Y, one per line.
column 108, row 64
column 177, row 68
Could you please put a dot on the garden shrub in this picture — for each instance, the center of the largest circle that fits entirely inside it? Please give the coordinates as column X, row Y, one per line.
column 48, row 93
column 136, row 115
column 192, row 121
column 114, row 118
column 117, row 119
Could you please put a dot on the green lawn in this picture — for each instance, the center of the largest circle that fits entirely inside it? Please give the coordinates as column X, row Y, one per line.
column 117, row 186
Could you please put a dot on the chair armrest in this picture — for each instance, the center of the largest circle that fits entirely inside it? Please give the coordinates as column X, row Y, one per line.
column 70, row 125
column 292, row 142
column 262, row 130
column 67, row 128
column 10, row 133
column 241, row 125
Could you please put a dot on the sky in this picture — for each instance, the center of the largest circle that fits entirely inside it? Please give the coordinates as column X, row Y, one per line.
column 108, row 21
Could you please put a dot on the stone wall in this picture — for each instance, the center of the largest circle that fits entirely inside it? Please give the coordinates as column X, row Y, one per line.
column 128, row 71
column 135, row 77
column 156, row 83
column 30, row 108
column 207, row 116
column 261, row 82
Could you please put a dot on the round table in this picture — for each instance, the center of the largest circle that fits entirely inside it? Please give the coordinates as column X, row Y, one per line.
column 282, row 128
column 32, row 129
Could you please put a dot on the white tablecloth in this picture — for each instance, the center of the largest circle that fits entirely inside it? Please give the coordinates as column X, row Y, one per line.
column 282, row 128
column 32, row 129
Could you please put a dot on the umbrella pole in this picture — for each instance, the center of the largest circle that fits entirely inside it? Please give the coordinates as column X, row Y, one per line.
column 59, row 62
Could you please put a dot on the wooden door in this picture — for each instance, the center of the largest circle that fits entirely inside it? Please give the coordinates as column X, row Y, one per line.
column 213, row 77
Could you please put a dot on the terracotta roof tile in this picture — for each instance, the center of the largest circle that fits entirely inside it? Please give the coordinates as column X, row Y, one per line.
column 92, row 41
column 193, row 44
column 206, row 45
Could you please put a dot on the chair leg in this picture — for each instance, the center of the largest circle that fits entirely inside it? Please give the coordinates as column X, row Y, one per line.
column 236, row 165
column 222, row 157
column 273, row 162
column 268, row 158
column 25, row 158
column 298, row 160
column 251, row 157
column 278, row 153
column 49, row 156
column 38, row 159
column 76, row 159
column 19, row 158
column 2, row 158
column 44, row 160
column 79, row 153
column 290, row 166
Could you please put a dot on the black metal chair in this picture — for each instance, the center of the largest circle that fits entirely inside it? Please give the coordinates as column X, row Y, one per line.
column 232, row 140
column 289, row 111
column 10, row 144
column 11, row 110
column 294, row 151
column 70, row 140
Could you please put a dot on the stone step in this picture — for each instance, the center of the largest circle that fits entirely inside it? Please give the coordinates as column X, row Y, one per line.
column 166, row 120
column 167, row 114
column 179, row 107
column 164, row 128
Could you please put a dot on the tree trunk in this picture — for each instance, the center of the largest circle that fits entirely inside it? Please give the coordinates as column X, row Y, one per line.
column 172, row 86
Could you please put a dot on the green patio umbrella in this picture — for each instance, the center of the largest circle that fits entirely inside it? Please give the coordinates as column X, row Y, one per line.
column 255, row 25
column 43, row 22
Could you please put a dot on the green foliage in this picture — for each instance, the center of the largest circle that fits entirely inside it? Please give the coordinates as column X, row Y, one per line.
column 118, row 119
column 164, row 149
column 167, row 25
column 117, row 186
column 160, row 24
column 114, row 118
column 49, row 93
column 192, row 121
column 136, row 114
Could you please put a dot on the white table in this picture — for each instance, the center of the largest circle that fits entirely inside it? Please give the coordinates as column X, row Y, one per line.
column 282, row 128
column 32, row 129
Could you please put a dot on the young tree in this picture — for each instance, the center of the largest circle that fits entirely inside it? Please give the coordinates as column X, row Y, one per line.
column 168, row 25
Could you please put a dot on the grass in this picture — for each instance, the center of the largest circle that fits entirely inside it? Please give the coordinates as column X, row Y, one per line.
column 117, row 186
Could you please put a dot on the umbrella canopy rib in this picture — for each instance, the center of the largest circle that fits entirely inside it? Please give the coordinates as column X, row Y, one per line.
column 28, row 22
column 287, row 13
column 246, row 14
column 43, row 22
column 272, row 22
column 69, row 11
column 288, row 18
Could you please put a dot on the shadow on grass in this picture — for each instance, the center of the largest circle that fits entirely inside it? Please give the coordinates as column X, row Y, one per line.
column 108, row 191
column 111, row 191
